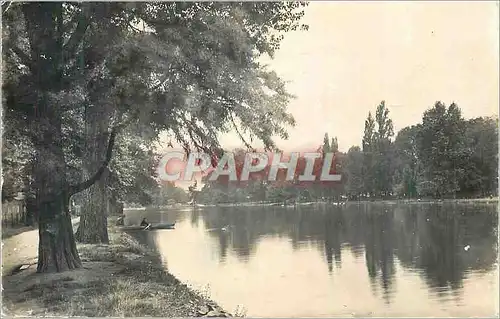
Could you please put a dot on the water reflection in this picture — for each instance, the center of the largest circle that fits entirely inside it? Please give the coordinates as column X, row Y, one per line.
column 390, row 245
column 430, row 239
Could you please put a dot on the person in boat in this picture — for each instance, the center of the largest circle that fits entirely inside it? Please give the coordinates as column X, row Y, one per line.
column 120, row 220
column 145, row 223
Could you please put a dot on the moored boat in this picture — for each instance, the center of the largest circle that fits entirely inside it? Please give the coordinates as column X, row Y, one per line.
column 152, row 227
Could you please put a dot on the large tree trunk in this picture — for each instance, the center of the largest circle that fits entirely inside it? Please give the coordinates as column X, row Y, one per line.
column 47, row 59
column 57, row 249
column 93, row 228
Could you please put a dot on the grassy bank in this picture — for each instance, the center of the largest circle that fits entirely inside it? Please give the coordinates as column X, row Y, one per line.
column 123, row 278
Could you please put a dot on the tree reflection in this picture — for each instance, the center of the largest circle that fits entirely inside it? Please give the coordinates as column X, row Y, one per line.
column 334, row 228
column 428, row 239
column 379, row 250
column 447, row 242
column 195, row 217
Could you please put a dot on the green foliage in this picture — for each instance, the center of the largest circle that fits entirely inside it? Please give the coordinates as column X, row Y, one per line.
column 188, row 68
column 17, row 161
column 482, row 169
column 192, row 70
column 326, row 144
column 212, row 195
column 377, row 149
column 78, row 75
column 168, row 193
column 354, row 171
column 406, row 162
column 442, row 149
column 442, row 156
column 334, row 145
column 368, row 148
column 133, row 171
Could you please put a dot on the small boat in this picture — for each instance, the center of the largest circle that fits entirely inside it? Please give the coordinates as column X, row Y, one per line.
column 151, row 227
column 163, row 226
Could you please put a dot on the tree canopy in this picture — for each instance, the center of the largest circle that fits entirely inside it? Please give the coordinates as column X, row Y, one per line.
column 191, row 69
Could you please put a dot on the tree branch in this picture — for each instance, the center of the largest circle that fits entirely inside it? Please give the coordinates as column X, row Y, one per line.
column 239, row 134
column 77, row 36
column 134, row 28
column 10, row 3
column 109, row 152
column 25, row 59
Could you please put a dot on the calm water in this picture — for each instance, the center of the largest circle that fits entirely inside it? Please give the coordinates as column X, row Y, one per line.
column 324, row 261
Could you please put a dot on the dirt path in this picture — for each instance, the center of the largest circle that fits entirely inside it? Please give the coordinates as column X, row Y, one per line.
column 22, row 248
column 120, row 279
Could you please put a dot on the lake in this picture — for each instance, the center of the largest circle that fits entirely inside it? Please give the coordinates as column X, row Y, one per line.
column 328, row 261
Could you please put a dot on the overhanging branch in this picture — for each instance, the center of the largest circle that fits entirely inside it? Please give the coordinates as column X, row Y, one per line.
column 109, row 152
column 248, row 146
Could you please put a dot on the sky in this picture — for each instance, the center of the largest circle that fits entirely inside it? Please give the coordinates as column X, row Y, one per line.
column 410, row 54
column 356, row 54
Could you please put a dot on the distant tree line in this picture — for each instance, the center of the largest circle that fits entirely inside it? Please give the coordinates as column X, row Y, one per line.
column 168, row 193
column 443, row 156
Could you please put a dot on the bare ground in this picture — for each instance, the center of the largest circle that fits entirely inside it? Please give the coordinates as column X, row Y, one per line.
column 121, row 279
column 12, row 231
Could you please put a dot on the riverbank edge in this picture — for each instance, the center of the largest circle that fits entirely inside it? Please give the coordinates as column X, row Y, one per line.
column 122, row 278
column 8, row 232
column 493, row 200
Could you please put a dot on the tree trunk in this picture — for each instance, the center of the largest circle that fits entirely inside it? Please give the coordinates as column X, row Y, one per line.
column 93, row 228
column 57, row 249
column 47, row 60
column 115, row 207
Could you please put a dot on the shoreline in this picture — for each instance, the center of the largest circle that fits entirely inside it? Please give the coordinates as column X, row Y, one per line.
column 350, row 202
column 124, row 278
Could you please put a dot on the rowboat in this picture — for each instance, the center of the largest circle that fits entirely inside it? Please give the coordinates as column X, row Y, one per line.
column 152, row 227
